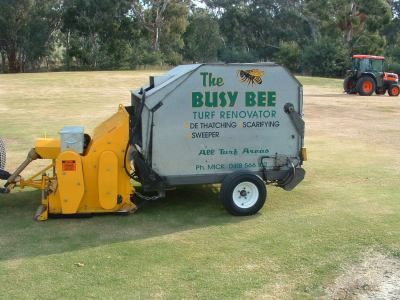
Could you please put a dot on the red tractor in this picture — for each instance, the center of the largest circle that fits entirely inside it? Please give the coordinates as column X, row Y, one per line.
column 367, row 76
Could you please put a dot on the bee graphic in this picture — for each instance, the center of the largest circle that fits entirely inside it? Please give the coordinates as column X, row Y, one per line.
column 251, row 76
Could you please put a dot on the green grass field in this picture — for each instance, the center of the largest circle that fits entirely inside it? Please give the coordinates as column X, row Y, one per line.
column 186, row 246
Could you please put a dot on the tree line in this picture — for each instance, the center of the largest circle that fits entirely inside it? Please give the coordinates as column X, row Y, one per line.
column 307, row 36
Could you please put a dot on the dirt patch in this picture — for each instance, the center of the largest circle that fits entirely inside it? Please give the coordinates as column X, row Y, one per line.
column 376, row 277
column 330, row 112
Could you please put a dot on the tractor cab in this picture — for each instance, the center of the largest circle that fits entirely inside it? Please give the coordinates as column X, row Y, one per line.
column 368, row 63
column 368, row 75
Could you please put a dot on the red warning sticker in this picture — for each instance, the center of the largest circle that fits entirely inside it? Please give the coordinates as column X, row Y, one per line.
column 69, row 165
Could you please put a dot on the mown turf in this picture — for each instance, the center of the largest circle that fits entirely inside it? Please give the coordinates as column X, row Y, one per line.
column 321, row 81
column 187, row 246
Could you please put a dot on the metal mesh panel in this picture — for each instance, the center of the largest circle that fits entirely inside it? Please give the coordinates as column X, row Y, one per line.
column 2, row 155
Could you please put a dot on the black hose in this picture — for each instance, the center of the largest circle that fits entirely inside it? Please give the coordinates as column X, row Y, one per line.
column 137, row 120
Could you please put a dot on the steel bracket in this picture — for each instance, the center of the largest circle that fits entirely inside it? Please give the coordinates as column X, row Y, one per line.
column 296, row 118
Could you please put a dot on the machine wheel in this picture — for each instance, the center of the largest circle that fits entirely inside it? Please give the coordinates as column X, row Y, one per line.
column 394, row 90
column 243, row 193
column 2, row 155
column 365, row 86
column 349, row 85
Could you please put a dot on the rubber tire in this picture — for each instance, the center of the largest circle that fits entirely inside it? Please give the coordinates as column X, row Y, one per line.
column 390, row 91
column 360, row 84
column 228, row 185
column 346, row 85
column 2, row 155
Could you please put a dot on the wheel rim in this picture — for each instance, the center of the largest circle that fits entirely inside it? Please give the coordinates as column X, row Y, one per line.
column 245, row 194
column 367, row 86
column 395, row 91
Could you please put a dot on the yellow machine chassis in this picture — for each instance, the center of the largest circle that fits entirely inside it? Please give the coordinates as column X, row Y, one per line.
column 93, row 182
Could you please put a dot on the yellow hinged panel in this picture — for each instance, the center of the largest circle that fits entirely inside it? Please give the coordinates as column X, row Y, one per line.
column 108, row 127
column 48, row 148
column 108, row 180
column 70, row 181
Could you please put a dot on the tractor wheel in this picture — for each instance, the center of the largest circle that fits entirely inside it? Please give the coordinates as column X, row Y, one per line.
column 2, row 155
column 243, row 193
column 394, row 90
column 349, row 85
column 365, row 86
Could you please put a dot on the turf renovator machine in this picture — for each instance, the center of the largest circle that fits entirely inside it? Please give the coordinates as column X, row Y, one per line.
column 236, row 124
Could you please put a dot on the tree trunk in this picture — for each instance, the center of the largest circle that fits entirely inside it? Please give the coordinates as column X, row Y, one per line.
column 12, row 60
column 350, row 29
column 3, row 62
column 156, row 42
column 20, row 62
column 158, row 22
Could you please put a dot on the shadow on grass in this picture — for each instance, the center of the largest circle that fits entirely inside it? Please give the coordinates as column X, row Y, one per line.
column 183, row 209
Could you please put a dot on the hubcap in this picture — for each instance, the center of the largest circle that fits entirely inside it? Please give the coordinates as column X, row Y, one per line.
column 245, row 194
column 367, row 86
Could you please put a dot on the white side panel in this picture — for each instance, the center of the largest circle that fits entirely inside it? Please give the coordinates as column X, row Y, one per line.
column 246, row 120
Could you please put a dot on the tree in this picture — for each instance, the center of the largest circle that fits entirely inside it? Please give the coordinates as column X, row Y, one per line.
column 289, row 55
column 27, row 31
column 98, row 34
column 111, row 34
column 362, row 25
column 157, row 16
column 172, row 34
column 14, row 16
column 202, row 37
column 258, row 27
column 151, row 15
column 325, row 57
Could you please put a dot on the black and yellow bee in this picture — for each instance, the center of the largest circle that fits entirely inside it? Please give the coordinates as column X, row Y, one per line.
column 251, row 76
